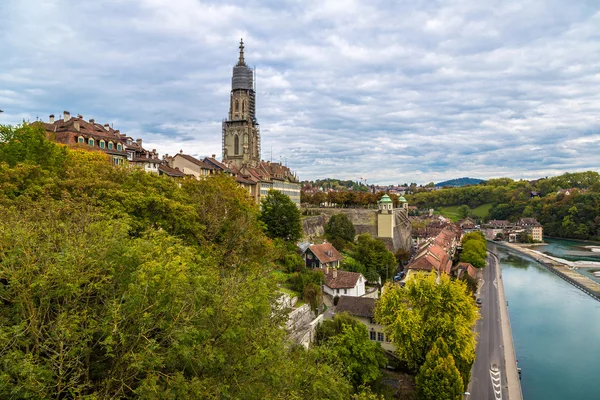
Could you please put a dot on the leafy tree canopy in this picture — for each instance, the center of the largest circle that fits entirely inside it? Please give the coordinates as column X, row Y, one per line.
column 280, row 216
column 340, row 226
column 438, row 377
column 429, row 307
column 117, row 283
column 359, row 357
column 374, row 255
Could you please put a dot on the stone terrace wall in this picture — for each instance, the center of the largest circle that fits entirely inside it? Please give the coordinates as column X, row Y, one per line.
column 313, row 226
column 364, row 221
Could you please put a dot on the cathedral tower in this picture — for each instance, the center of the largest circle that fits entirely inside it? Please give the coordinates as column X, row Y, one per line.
column 241, row 134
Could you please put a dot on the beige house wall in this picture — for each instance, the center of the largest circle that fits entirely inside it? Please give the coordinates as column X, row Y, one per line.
column 188, row 167
column 537, row 232
column 379, row 330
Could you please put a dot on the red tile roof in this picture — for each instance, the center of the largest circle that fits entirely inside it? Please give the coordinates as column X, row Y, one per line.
column 342, row 280
column 326, row 252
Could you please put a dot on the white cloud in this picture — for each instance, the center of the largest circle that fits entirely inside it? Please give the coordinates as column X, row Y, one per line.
column 392, row 92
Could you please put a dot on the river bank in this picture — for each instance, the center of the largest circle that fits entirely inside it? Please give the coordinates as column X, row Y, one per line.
column 555, row 327
column 562, row 268
column 508, row 348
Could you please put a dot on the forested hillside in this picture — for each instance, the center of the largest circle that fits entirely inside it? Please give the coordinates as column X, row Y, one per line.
column 576, row 215
column 460, row 182
column 116, row 283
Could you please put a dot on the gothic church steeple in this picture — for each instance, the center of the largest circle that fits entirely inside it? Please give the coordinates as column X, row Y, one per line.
column 241, row 134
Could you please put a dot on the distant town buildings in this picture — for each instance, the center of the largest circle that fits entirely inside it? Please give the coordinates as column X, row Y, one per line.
column 514, row 231
column 436, row 253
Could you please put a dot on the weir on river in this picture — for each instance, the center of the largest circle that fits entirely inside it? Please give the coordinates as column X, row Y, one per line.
column 556, row 331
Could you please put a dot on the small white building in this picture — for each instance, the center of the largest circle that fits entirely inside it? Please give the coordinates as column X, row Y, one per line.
column 343, row 283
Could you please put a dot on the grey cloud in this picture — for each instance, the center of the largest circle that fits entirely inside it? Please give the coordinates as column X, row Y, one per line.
column 390, row 91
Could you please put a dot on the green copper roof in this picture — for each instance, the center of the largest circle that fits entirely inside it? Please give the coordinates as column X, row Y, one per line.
column 385, row 199
column 402, row 199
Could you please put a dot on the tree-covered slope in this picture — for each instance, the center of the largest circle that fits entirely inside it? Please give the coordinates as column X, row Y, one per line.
column 460, row 182
column 116, row 283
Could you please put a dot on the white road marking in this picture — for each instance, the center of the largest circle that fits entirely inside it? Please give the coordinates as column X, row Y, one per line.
column 495, row 283
column 496, row 386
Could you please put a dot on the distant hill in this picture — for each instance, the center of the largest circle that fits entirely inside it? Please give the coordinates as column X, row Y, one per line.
column 460, row 182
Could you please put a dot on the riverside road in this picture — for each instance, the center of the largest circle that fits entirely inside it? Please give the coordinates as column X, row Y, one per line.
column 488, row 376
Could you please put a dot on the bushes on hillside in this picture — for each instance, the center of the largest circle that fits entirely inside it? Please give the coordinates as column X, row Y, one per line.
column 117, row 283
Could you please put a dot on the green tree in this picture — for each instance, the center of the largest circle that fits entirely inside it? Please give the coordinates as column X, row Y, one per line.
column 116, row 283
column 374, row 255
column 28, row 144
column 438, row 377
column 280, row 216
column 463, row 211
column 360, row 358
column 429, row 307
column 332, row 327
column 340, row 226
column 474, row 249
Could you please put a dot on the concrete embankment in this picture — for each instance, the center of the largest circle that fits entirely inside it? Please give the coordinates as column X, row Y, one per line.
column 560, row 269
column 510, row 359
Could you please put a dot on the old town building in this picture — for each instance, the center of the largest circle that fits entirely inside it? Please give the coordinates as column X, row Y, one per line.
column 122, row 149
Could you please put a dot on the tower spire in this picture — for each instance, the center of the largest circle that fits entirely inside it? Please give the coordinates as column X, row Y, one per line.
column 241, row 60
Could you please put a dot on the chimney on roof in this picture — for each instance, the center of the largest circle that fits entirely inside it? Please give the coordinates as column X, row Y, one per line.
column 107, row 127
column 79, row 116
column 180, row 151
column 51, row 118
column 214, row 155
column 326, row 269
column 76, row 124
column 66, row 116
column 334, row 273
column 92, row 121
column 139, row 142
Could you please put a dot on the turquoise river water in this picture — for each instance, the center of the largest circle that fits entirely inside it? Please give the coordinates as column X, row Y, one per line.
column 556, row 331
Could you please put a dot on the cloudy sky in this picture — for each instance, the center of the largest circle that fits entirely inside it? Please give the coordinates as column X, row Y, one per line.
column 390, row 91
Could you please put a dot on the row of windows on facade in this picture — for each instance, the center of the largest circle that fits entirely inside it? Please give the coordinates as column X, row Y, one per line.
column 378, row 336
column 101, row 144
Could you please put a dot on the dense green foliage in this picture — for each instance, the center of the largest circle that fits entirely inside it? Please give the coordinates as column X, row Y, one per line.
column 346, row 341
column 116, row 283
column 438, row 377
column 474, row 249
column 360, row 358
column 429, row 307
column 280, row 216
column 460, row 182
column 374, row 256
column 339, row 229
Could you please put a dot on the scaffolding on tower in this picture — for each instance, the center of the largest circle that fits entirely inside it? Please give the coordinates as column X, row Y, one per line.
column 223, row 133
